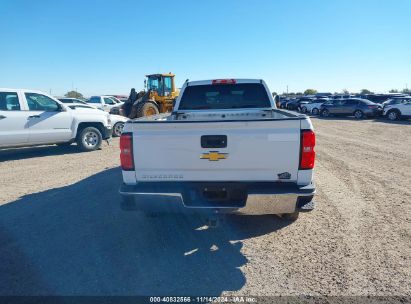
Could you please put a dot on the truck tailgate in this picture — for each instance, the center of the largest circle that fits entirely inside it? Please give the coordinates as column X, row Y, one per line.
column 264, row 150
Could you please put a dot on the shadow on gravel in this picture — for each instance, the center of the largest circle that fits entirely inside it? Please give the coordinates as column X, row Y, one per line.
column 395, row 122
column 75, row 240
column 41, row 151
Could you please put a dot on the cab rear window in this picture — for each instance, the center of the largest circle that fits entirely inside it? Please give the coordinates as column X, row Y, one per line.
column 225, row 96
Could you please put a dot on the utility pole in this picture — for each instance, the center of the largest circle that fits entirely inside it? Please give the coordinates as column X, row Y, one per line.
column 287, row 90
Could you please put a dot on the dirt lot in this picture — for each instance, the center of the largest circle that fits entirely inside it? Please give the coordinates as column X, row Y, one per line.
column 62, row 232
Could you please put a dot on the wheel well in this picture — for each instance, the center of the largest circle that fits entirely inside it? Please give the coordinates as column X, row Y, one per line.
column 154, row 102
column 84, row 125
column 394, row 110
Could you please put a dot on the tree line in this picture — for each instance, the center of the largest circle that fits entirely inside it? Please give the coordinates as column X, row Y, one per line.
column 75, row 94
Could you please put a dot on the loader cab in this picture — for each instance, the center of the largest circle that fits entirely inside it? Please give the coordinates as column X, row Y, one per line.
column 163, row 84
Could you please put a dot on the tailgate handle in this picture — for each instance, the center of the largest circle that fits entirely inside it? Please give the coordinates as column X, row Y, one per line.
column 214, row 141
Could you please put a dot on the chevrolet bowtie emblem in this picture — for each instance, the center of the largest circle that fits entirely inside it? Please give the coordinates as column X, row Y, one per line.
column 214, row 156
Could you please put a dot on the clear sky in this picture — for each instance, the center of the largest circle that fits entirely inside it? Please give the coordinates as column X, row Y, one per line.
column 106, row 47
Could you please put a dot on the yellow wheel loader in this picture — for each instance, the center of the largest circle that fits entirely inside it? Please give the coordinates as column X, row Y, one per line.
column 159, row 96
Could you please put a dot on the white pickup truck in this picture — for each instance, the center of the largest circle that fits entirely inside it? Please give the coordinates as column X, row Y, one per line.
column 225, row 147
column 30, row 118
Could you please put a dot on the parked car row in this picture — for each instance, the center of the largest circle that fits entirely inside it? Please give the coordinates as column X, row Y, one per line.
column 106, row 103
column 304, row 104
column 395, row 108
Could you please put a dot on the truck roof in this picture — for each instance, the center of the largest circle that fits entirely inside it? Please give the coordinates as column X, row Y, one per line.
column 169, row 74
column 210, row 81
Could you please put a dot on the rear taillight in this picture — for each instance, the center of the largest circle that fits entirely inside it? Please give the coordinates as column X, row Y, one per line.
column 126, row 152
column 307, row 153
column 224, row 81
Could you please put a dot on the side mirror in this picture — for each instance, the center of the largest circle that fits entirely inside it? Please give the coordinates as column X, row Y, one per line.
column 61, row 108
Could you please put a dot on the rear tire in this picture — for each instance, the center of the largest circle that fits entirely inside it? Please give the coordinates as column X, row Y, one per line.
column 89, row 139
column 393, row 115
column 325, row 113
column 147, row 108
column 315, row 111
column 358, row 114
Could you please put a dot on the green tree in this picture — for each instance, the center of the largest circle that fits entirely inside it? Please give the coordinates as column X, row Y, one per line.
column 310, row 92
column 345, row 91
column 274, row 93
column 73, row 94
column 393, row 91
column 365, row 91
column 406, row 91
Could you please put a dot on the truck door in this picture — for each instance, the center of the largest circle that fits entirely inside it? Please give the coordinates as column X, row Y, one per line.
column 48, row 122
column 13, row 121
column 168, row 88
column 332, row 106
column 350, row 106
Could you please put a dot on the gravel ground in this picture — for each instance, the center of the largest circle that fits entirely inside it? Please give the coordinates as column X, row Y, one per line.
column 62, row 232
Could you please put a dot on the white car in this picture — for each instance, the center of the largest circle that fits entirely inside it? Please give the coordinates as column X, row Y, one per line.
column 30, row 118
column 105, row 103
column 117, row 121
column 118, row 101
column 228, row 148
column 69, row 100
column 396, row 108
column 313, row 106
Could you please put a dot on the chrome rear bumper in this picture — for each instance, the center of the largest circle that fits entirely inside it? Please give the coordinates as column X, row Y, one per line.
column 260, row 198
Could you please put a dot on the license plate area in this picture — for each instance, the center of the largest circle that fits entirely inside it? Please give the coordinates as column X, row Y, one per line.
column 215, row 195
column 214, row 141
